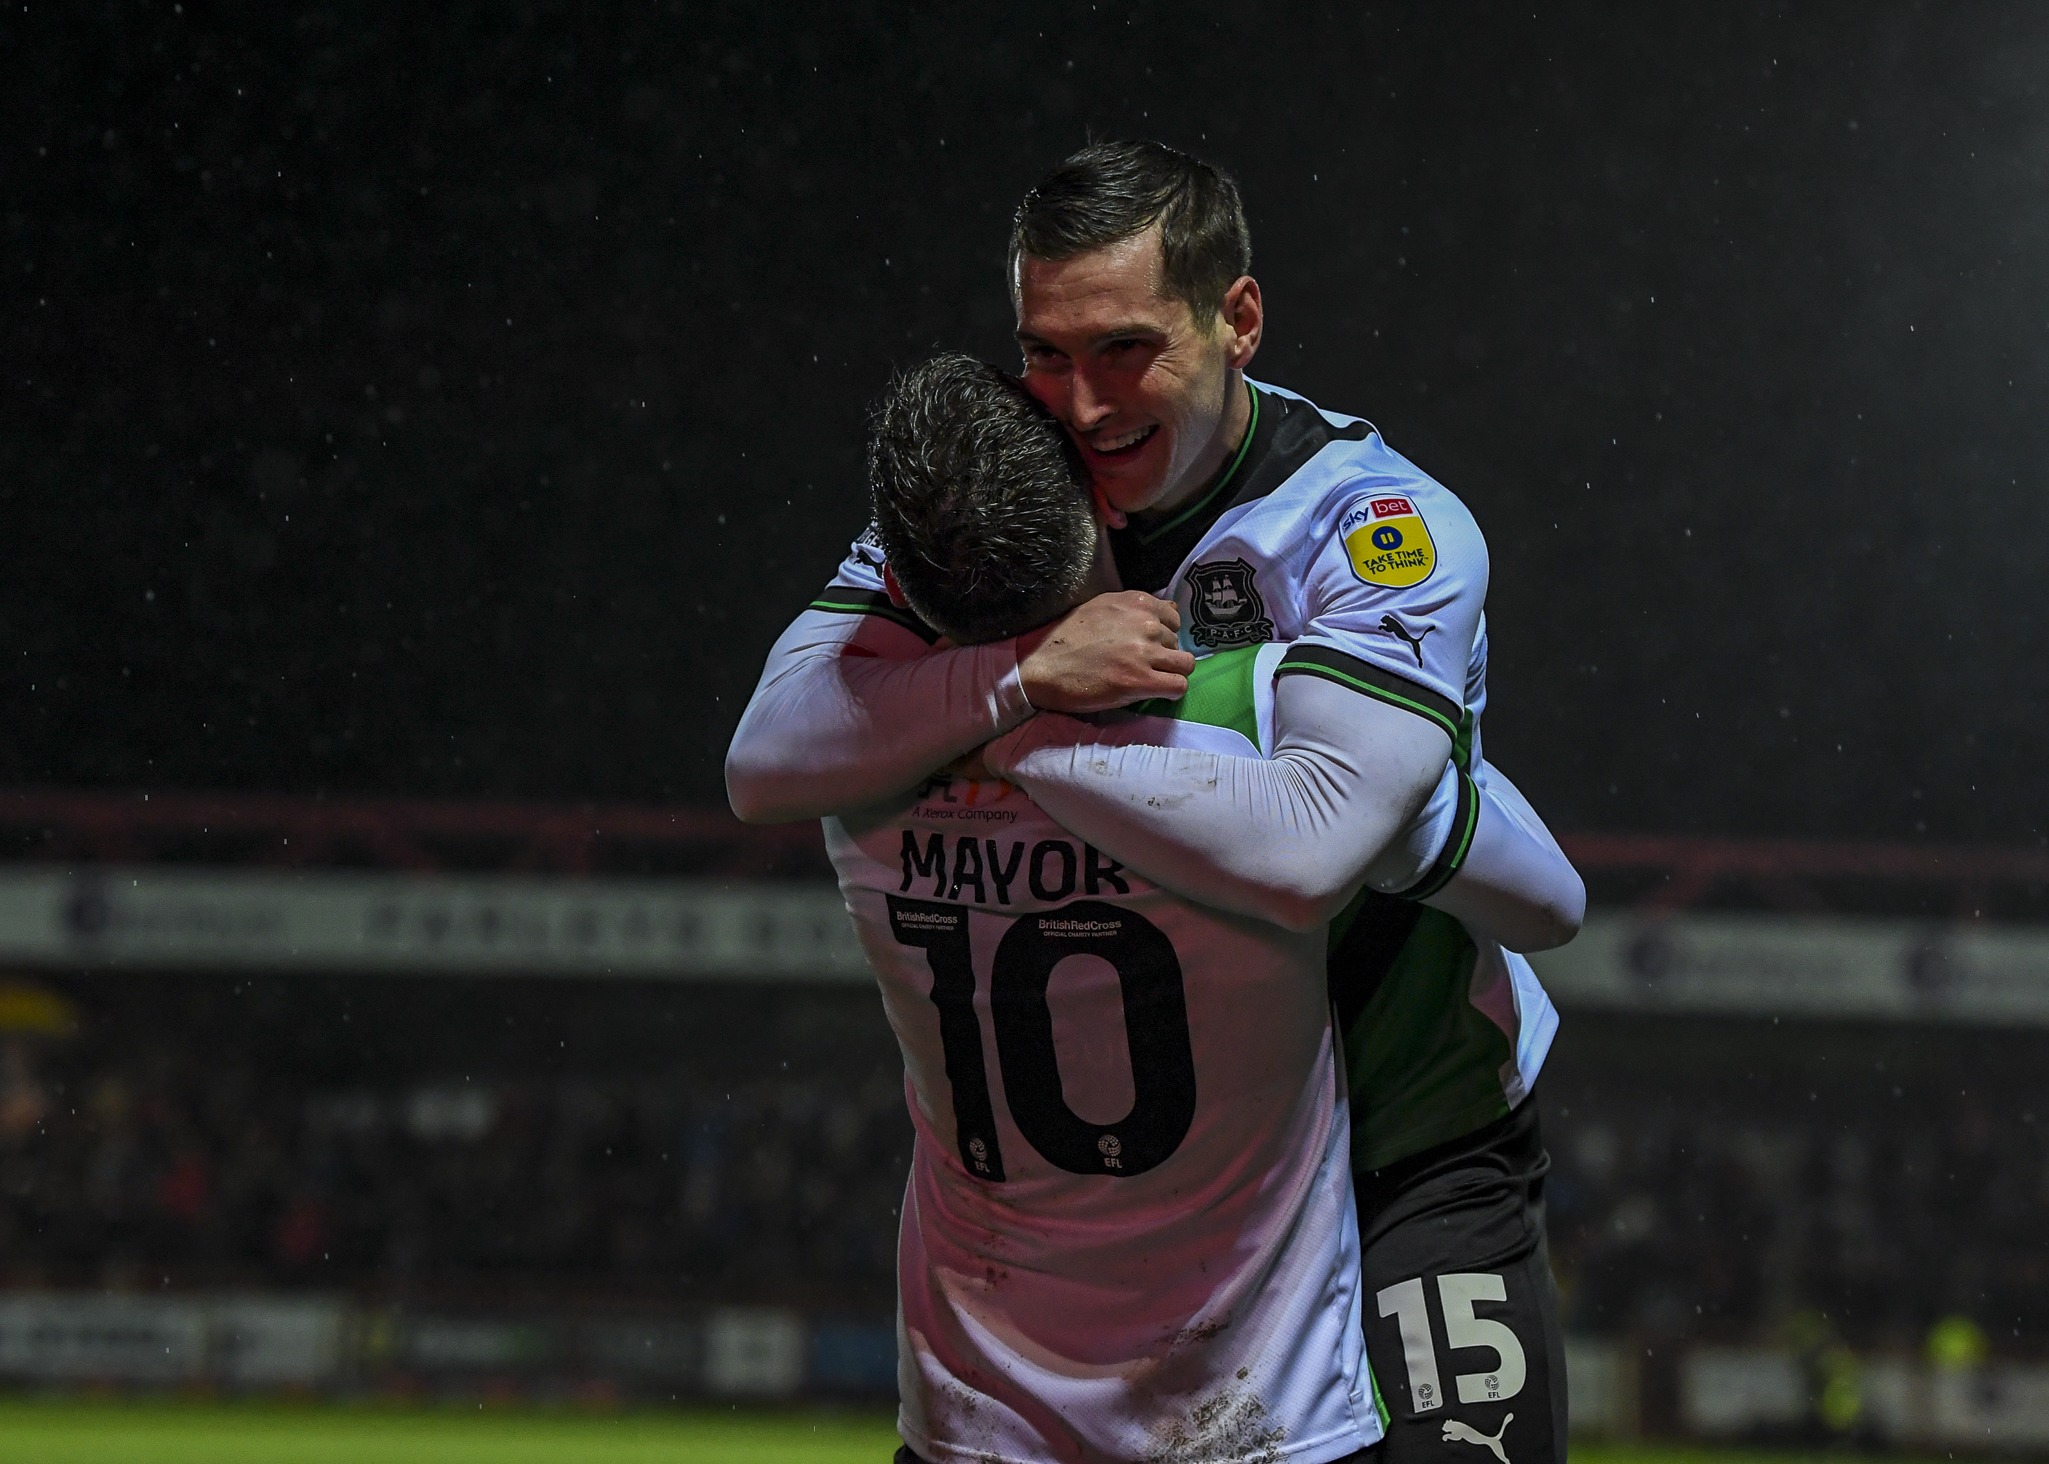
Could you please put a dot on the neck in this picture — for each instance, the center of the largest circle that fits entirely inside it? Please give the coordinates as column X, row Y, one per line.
column 1230, row 436
column 1102, row 577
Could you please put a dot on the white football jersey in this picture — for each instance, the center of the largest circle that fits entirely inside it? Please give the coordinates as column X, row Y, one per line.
column 1376, row 575
column 1128, row 1231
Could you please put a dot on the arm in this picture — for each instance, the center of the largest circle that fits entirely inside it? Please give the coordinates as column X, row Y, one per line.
column 1286, row 839
column 856, row 703
column 1516, row 885
column 1291, row 839
column 1479, row 853
column 852, row 708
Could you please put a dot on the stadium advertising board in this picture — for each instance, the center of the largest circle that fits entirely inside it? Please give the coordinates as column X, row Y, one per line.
column 1825, row 968
column 173, row 919
column 250, row 1341
column 783, row 931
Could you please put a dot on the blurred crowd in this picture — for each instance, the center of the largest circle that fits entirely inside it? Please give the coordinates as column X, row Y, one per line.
column 773, row 1172
column 1670, row 1222
column 192, row 1171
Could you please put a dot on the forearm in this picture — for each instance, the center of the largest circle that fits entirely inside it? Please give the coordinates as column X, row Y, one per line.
column 1516, row 885
column 1484, row 856
column 1286, row 839
column 828, row 731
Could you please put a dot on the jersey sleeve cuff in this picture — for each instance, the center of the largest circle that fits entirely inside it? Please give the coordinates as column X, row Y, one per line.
column 1370, row 680
column 1465, row 820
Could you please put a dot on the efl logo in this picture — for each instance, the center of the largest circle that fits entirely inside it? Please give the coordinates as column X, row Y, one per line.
column 1389, row 507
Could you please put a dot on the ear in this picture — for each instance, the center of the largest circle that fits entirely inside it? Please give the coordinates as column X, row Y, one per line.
column 893, row 589
column 1245, row 320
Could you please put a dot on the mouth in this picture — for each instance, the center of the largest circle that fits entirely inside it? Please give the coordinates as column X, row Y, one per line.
column 1124, row 444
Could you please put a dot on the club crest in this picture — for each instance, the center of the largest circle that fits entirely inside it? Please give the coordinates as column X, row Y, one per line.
column 1224, row 608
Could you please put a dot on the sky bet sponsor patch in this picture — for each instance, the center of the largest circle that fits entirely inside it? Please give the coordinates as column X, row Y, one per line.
column 1388, row 542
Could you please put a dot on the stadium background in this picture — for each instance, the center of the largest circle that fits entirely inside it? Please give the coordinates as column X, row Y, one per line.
column 422, row 420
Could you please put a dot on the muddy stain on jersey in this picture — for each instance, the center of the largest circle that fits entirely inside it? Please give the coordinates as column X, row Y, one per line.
column 1230, row 1428
column 1203, row 1332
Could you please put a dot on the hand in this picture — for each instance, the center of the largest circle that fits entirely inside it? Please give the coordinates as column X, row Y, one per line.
column 1109, row 652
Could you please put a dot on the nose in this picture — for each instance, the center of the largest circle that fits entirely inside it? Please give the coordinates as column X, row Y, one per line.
column 1086, row 407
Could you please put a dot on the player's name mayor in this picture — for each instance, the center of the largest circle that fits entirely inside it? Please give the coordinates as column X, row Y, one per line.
column 783, row 931
column 981, row 869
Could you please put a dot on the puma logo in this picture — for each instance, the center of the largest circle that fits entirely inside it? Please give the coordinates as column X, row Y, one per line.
column 1464, row 1433
column 1395, row 628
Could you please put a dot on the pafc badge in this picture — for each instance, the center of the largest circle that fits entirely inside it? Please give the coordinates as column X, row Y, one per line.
column 1389, row 543
column 1224, row 608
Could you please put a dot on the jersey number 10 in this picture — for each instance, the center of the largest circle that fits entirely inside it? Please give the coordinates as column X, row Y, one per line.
column 1155, row 1026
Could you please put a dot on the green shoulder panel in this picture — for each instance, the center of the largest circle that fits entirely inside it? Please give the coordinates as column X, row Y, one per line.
column 1220, row 694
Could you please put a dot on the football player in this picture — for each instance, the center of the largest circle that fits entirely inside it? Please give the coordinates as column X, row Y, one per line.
column 1112, row 1254
column 1258, row 517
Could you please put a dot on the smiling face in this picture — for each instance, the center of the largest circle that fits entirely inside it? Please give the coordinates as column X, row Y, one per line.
column 1154, row 402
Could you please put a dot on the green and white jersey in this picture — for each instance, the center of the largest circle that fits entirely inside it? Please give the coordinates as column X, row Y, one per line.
column 1442, row 1033
column 1321, row 535
column 1453, row 1044
column 1128, row 1231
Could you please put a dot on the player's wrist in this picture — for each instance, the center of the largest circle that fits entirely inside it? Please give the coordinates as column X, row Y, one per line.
column 1004, row 756
column 999, row 754
column 1034, row 685
column 1010, row 700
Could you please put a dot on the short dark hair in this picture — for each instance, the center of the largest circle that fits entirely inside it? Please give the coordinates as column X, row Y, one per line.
column 1111, row 191
column 981, row 501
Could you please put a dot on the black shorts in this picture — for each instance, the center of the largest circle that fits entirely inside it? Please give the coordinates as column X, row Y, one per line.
column 1461, row 1309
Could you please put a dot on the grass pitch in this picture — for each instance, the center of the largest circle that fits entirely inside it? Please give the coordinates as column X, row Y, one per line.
column 70, row 1432
column 135, row 1432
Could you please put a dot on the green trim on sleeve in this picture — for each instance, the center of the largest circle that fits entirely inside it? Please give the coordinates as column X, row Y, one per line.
column 1370, row 680
column 1465, row 820
column 1462, row 741
column 846, row 600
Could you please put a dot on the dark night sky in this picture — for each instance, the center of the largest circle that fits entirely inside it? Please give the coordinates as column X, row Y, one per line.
column 456, row 401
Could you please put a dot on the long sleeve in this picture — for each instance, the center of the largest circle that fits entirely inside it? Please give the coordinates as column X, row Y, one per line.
column 853, row 708
column 1483, row 855
column 1286, row 839
column 1515, row 886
